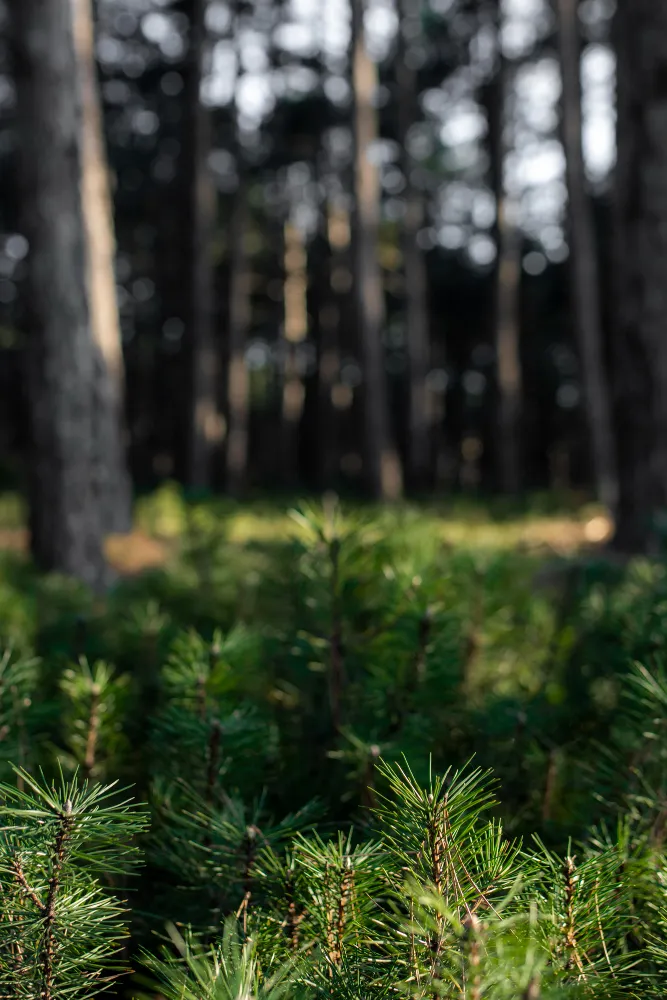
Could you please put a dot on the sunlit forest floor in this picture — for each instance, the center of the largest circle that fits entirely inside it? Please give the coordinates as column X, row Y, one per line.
column 542, row 525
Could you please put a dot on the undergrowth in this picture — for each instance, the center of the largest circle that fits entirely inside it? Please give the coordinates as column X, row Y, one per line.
column 365, row 764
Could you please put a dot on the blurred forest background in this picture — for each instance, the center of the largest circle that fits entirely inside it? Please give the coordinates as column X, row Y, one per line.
column 408, row 257
column 375, row 247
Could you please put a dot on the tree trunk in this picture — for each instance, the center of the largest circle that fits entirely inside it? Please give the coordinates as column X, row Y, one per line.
column 584, row 274
column 63, row 352
column 640, row 251
column 416, row 285
column 383, row 467
column 294, row 333
column 238, row 382
column 206, row 423
column 508, row 286
column 336, row 248
column 113, row 481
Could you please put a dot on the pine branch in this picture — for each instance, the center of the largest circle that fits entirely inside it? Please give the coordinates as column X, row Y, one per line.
column 49, row 911
column 30, row 893
column 93, row 732
column 56, row 842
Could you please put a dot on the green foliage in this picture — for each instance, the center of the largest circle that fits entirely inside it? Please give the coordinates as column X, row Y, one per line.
column 61, row 927
column 93, row 715
column 20, row 722
column 206, row 723
column 439, row 904
column 229, row 970
column 265, row 701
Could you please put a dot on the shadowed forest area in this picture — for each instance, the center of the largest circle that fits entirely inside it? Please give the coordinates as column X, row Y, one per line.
column 333, row 499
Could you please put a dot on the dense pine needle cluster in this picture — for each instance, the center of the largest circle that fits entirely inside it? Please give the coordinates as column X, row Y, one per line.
column 313, row 811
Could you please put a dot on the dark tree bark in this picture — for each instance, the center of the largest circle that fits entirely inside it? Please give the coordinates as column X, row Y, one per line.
column 206, row 423
column 113, row 481
column 584, row 264
column 640, row 264
column 238, row 382
column 507, row 284
column 414, row 265
column 64, row 360
column 383, row 466
column 335, row 250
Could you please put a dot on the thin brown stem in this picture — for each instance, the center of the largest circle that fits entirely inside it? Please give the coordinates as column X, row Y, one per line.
column 93, row 733
column 249, row 851
column 450, row 855
column 436, row 852
column 346, row 886
column 570, row 928
column 474, row 957
column 532, row 991
column 294, row 918
column 243, row 910
column 30, row 893
column 331, row 937
column 336, row 663
column 64, row 833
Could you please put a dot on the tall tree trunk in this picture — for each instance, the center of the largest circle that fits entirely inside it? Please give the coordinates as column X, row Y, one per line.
column 206, row 423
column 63, row 352
column 508, row 283
column 238, row 382
column 416, row 285
column 584, row 274
column 383, row 467
column 640, row 251
column 336, row 247
column 294, row 333
column 113, row 481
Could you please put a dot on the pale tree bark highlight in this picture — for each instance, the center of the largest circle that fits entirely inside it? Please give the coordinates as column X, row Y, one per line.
column 113, row 482
column 295, row 331
column 63, row 353
column 383, row 467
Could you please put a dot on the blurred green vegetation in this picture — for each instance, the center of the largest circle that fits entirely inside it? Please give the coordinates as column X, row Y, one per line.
column 463, row 629
column 270, row 657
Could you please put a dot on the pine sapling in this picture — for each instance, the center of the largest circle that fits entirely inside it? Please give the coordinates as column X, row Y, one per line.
column 19, row 717
column 61, row 930
column 95, row 702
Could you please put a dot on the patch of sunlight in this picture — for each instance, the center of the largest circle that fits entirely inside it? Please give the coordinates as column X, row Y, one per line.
column 12, row 511
column 165, row 518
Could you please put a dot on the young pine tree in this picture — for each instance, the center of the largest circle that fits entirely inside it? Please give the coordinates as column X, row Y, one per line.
column 60, row 928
